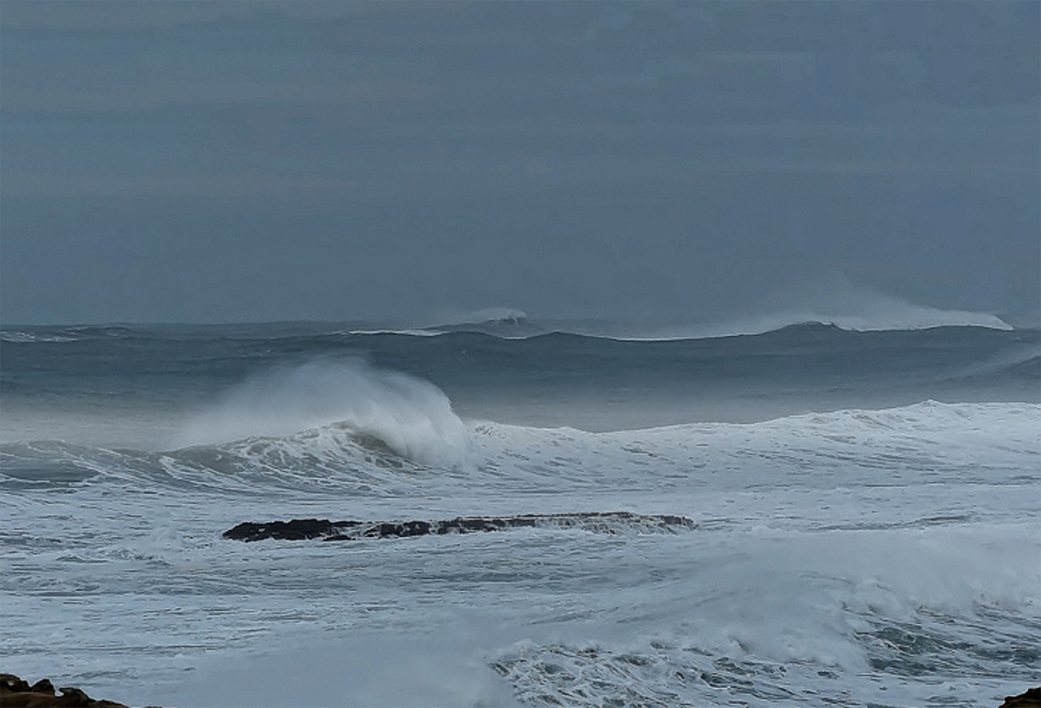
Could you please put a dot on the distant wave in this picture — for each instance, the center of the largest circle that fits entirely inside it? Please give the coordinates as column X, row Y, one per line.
column 402, row 332
column 835, row 300
column 839, row 304
column 846, row 306
column 503, row 322
column 671, row 333
column 913, row 318
column 531, row 329
column 52, row 334
column 490, row 315
column 15, row 336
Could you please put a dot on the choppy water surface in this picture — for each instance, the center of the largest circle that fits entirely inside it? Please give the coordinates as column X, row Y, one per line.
column 866, row 507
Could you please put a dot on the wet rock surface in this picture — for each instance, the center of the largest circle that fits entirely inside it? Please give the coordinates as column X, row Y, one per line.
column 17, row 693
column 600, row 522
column 1030, row 699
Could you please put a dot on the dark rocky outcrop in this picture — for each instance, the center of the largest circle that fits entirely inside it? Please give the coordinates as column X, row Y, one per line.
column 17, row 693
column 602, row 522
column 295, row 530
column 1030, row 699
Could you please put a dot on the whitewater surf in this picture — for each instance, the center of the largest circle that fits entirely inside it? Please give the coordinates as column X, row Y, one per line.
column 858, row 515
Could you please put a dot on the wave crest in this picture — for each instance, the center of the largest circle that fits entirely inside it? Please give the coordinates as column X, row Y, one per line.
column 412, row 417
column 838, row 301
column 487, row 316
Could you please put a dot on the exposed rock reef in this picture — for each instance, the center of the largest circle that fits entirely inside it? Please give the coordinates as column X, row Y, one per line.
column 17, row 693
column 1030, row 699
column 600, row 522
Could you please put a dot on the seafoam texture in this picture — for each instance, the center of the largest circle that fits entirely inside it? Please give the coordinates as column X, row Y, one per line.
column 852, row 557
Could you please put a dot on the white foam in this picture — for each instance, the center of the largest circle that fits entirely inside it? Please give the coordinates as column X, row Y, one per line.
column 19, row 337
column 832, row 300
column 490, row 315
column 920, row 442
column 824, row 541
column 413, row 417
column 407, row 332
column 446, row 668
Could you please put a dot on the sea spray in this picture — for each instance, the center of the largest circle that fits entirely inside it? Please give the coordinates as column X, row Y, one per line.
column 411, row 416
column 865, row 503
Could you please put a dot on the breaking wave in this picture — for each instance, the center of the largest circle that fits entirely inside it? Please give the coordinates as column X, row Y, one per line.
column 836, row 300
column 923, row 443
column 838, row 303
column 491, row 315
column 411, row 416
column 912, row 317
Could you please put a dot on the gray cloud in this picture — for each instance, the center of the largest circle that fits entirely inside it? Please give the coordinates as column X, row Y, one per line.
column 194, row 161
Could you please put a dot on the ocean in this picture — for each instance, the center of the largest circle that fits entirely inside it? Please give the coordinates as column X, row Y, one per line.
column 865, row 509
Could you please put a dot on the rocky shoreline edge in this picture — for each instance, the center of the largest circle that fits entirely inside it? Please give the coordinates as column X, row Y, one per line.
column 1030, row 699
column 17, row 693
column 612, row 522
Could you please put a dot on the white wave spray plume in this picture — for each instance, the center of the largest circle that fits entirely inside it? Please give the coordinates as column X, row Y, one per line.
column 488, row 315
column 413, row 417
column 834, row 299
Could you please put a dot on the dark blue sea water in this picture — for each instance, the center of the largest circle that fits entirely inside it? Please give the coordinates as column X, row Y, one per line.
column 161, row 373
column 866, row 501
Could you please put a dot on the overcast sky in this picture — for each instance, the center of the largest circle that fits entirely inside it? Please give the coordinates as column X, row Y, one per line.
column 189, row 161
